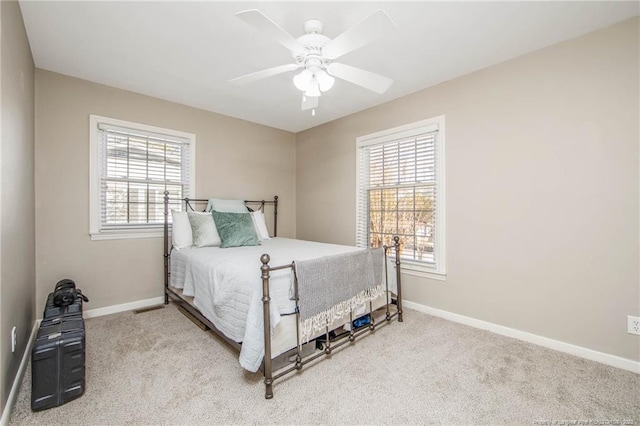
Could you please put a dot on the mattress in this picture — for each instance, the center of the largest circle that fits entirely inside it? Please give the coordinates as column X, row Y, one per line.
column 226, row 287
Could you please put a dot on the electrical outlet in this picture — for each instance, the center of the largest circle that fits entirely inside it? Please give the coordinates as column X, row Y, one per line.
column 633, row 325
column 14, row 339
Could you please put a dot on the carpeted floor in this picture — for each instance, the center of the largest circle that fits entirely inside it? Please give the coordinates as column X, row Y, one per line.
column 159, row 368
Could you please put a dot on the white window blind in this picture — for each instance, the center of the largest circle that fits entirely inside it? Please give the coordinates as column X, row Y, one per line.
column 134, row 169
column 399, row 192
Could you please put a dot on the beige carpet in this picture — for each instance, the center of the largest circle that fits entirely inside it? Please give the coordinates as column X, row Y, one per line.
column 159, row 368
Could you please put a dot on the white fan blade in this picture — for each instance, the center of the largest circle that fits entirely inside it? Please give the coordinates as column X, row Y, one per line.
column 370, row 29
column 258, row 75
column 366, row 79
column 256, row 19
column 309, row 102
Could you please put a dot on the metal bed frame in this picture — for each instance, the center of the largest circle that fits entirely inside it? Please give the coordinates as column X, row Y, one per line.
column 300, row 361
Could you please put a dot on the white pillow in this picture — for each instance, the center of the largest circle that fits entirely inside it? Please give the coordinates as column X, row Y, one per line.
column 226, row 206
column 204, row 229
column 260, row 225
column 181, row 235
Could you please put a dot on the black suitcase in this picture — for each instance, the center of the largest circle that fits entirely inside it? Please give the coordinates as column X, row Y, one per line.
column 58, row 363
column 72, row 310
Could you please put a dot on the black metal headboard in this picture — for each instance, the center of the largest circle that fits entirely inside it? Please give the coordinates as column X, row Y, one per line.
column 257, row 204
column 189, row 203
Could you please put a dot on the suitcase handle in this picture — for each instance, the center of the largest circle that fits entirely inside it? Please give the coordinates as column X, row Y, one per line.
column 80, row 294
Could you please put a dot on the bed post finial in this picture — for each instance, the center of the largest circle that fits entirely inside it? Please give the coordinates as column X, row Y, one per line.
column 396, row 244
column 268, row 380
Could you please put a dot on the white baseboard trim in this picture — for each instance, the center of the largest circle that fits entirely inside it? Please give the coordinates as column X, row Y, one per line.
column 579, row 351
column 17, row 381
column 98, row 312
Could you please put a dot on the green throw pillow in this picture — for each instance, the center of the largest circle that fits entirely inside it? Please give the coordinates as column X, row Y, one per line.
column 235, row 229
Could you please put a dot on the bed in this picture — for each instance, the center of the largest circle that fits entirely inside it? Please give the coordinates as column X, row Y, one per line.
column 260, row 309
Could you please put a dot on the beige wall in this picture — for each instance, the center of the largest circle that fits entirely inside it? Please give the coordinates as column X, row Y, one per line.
column 17, row 223
column 234, row 159
column 542, row 189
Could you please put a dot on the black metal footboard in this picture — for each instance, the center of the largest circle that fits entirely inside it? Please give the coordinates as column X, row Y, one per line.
column 330, row 346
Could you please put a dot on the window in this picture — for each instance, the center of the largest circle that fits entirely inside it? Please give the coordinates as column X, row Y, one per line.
column 132, row 165
column 401, row 192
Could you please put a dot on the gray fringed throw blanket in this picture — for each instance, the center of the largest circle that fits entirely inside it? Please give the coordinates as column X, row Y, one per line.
column 331, row 287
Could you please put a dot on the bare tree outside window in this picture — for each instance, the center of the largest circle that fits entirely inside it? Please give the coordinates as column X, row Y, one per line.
column 401, row 196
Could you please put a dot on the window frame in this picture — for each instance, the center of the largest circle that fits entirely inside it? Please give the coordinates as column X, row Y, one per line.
column 438, row 270
column 95, row 225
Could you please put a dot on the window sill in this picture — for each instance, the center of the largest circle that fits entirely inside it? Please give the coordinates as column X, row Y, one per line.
column 421, row 271
column 126, row 235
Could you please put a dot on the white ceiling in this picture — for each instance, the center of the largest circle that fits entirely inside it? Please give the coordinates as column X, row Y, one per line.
column 186, row 52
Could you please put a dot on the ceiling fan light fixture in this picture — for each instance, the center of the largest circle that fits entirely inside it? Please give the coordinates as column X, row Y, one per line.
column 303, row 81
column 325, row 81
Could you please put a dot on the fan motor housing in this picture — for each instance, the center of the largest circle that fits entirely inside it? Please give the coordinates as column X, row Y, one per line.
column 313, row 42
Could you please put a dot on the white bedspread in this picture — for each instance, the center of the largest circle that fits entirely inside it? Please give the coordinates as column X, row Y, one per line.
column 227, row 288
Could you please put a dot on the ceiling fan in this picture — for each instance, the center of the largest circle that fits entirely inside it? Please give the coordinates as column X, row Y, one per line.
column 315, row 53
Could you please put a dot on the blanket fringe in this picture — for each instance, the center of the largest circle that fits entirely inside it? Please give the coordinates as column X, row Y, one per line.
column 321, row 320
